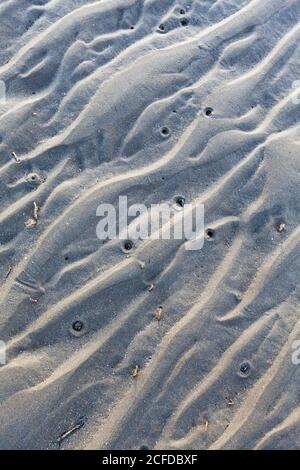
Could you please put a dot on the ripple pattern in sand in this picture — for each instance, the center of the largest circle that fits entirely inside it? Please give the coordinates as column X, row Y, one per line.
column 89, row 87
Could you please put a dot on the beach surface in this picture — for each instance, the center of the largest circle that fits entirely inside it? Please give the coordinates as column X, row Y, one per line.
column 149, row 345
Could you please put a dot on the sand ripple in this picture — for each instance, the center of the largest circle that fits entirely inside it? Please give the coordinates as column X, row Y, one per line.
column 89, row 87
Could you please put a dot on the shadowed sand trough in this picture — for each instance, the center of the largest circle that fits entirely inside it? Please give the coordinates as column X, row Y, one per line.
column 158, row 347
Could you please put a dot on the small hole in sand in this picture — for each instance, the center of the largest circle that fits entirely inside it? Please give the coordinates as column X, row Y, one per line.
column 184, row 22
column 165, row 131
column 210, row 233
column 245, row 368
column 182, row 11
column 128, row 245
column 209, row 112
column 180, row 201
column 77, row 325
column 66, row 258
column 162, row 28
column 33, row 178
column 131, row 27
column 163, row 178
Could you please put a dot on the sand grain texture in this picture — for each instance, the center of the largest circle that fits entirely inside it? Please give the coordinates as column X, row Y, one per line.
column 90, row 85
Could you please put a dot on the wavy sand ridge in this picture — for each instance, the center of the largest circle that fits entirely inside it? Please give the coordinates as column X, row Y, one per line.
column 89, row 87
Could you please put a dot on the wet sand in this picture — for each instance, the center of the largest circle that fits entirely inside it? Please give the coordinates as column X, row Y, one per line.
column 159, row 346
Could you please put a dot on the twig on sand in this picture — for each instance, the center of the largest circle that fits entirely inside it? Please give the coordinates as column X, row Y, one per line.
column 206, row 425
column 74, row 428
column 35, row 211
column 8, row 272
column 159, row 313
column 135, row 371
column 15, row 157
column 280, row 227
column 32, row 221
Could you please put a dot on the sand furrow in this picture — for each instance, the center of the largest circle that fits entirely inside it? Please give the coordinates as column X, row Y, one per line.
column 150, row 342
